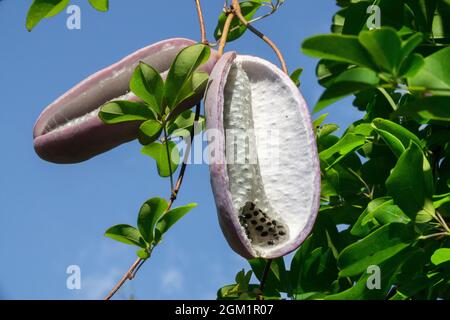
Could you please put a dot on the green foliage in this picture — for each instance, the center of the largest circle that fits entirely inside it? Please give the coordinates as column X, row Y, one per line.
column 41, row 9
column 181, row 83
column 100, row 5
column 237, row 29
column 386, row 181
column 154, row 220
column 162, row 113
column 160, row 121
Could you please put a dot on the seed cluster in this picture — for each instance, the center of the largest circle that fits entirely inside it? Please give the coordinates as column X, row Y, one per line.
column 260, row 228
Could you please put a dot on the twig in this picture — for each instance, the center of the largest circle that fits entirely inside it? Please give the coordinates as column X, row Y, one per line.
column 225, row 31
column 201, row 22
column 237, row 11
column 264, row 278
column 125, row 277
column 130, row 274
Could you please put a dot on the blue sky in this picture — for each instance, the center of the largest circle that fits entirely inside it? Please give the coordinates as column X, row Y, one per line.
column 53, row 216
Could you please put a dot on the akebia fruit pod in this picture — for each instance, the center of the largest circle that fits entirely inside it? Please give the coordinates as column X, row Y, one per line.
column 264, row 166
column 69, row 129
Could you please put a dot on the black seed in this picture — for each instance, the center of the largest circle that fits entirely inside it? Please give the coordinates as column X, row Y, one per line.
column 270, row 243
column 269, row 223
column 281, row 233
column 252, row 206
column 262, row 220
column 274, row 222
column 259, row 228
column 248, row 216
column 254, row 222
column 277, row 238
column 264, row 234
column 271, row 230
column 255, row 213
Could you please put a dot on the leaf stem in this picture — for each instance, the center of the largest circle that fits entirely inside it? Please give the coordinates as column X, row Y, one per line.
column 237, row 11
column 439, row 234
column 131, row 273
column 388, row 98
column 201, row 22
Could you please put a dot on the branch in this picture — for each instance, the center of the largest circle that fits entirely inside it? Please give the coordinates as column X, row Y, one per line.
column 225, row 31
column 131, row 273
column 201, row 22
column 237, row 11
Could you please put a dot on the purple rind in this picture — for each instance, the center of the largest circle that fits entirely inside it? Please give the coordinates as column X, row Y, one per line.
column 228, row 218
column 218, row 173
column 80, row 142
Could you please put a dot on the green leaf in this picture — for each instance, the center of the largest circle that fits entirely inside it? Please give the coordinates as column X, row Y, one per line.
column 195, row 85
column 237, row 29
column 344, row 146
column 440, row 200
column 366, row 221
column 348, row 82
column 143, row 254
column 41, row 9
column 126, row 234
column 60, row 7
column 411, row 66
column 327, row 129
column 389, row 268
column 149, row 131
column 392, row 142
column 100, row 5
column 149, row 214
column 409, row 45
column 170, row 218
column 318, row 122
column 338, row 48
column 184, row 123
column 429, row 108
column 406, row 182
column 184, row 65
column 435, row 74
column 374, row 249
column 441, row 255
column 147, row 84
column 384, row 45
column 158, row 152
column 295, row 76
column 401, row 133
column 124, row 111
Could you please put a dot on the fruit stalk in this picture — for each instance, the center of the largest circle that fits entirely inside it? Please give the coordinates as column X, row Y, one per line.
column 237, row 11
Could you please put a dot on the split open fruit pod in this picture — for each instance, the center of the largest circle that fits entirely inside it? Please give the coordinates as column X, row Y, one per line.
column 69, row 129
column 264, row 166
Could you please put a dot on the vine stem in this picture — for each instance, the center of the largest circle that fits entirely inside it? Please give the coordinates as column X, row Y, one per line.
column 237, row 11
column 201, row 22
column 131, row 273
column 262, row 284
column 225, row 31
column 168, row 157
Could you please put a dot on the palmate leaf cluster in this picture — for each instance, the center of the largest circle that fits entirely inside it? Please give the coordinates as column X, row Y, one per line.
column 385, row 199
